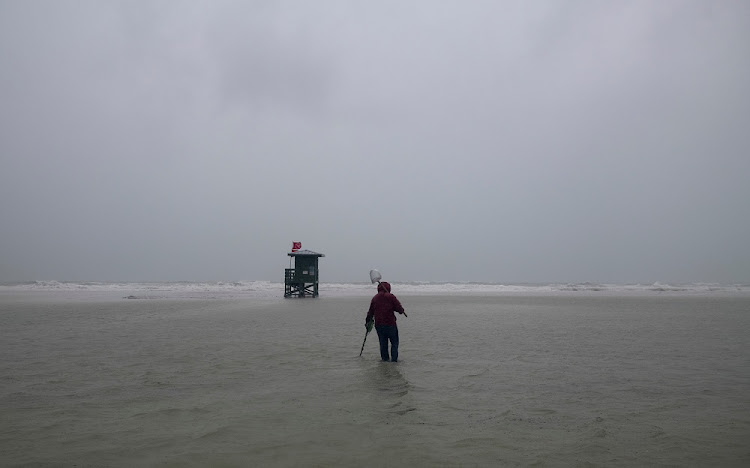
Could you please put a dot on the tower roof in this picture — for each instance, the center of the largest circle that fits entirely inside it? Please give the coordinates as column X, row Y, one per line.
column 305, row 253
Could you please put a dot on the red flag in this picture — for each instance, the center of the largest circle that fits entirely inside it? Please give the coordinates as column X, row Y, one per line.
column 296, row 246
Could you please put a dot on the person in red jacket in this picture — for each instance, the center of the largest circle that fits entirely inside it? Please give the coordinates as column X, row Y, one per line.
column 382, row 308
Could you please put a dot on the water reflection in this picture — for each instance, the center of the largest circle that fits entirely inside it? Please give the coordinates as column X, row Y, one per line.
column 387, row 386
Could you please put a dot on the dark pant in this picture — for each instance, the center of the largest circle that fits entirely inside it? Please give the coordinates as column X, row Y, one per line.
column 385, row 333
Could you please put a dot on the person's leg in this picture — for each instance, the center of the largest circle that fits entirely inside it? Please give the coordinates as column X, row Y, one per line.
column 383, row 338
column 394, row 343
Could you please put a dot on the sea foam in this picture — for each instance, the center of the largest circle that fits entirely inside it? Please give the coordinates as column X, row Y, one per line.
column 269, row 289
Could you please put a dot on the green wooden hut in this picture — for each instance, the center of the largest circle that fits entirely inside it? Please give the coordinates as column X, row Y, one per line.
column 301, row 280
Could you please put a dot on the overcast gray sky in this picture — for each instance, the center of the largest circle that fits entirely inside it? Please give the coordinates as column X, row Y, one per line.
column 503, row 141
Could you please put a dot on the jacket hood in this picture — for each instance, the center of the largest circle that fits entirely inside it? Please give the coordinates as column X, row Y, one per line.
column 384, row 286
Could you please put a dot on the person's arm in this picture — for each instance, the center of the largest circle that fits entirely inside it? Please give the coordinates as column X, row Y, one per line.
column 397, row 307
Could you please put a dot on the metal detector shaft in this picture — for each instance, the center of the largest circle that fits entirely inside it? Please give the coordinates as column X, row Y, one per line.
column 363, row 343
column 368, row 326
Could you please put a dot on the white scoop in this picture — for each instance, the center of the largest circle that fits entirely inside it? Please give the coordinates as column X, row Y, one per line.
column 375, row 276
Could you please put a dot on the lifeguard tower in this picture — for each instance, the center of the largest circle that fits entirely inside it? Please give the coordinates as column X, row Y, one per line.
column 301, row 279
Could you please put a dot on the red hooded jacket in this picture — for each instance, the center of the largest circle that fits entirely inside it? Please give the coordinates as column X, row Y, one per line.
column 383, row 305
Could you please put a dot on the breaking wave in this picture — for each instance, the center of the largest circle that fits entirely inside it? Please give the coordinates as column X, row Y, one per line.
column 269, row 289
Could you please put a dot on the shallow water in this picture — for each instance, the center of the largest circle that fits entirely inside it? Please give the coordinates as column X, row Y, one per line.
column 483, row 381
